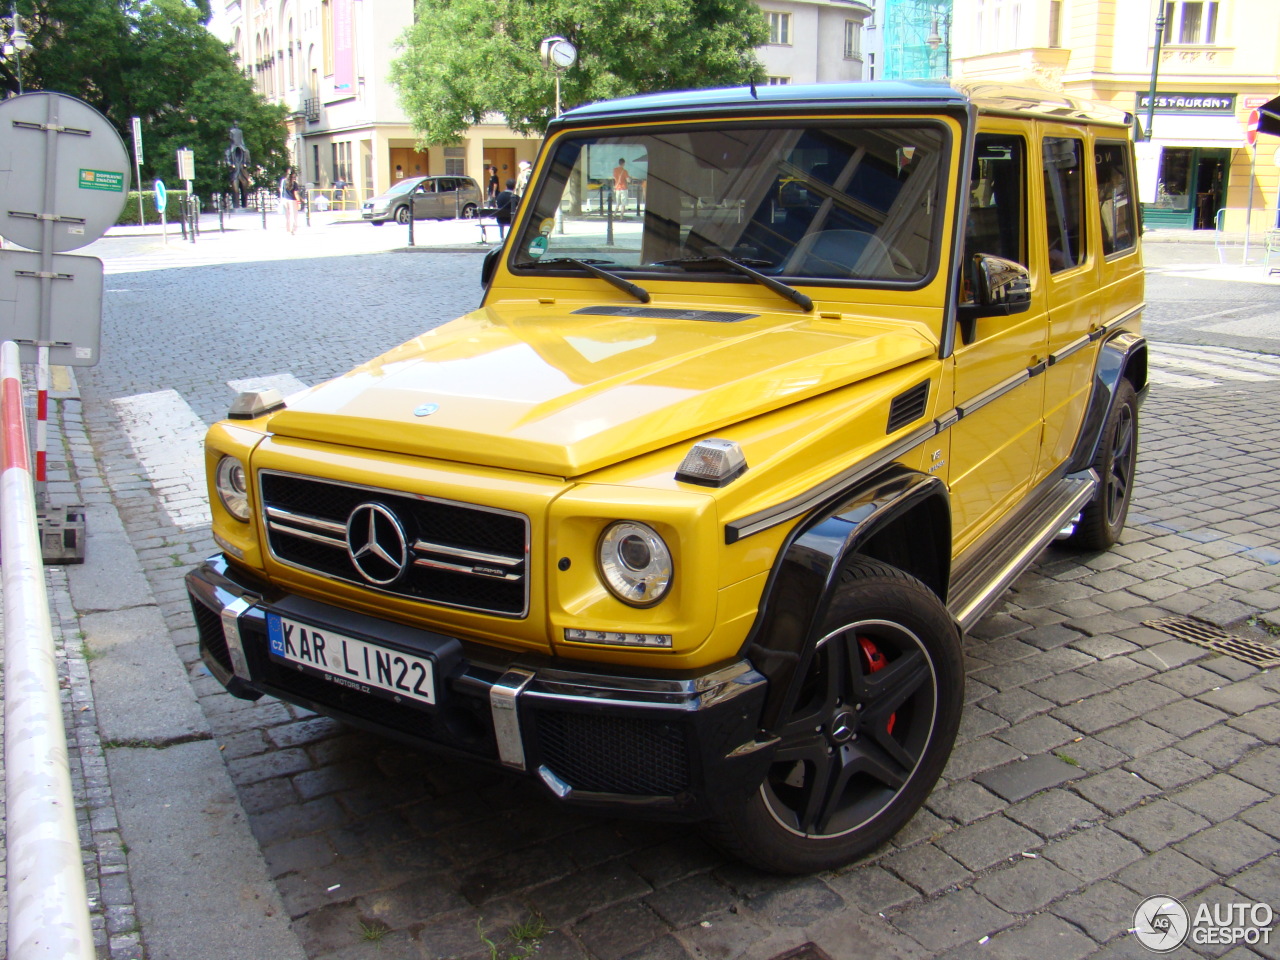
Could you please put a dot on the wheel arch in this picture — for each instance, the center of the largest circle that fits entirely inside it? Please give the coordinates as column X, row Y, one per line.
column 897, row 516
column 1123, row 356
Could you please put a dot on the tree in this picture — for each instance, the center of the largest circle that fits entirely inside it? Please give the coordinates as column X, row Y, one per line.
column 152, row 59
column 462, row 59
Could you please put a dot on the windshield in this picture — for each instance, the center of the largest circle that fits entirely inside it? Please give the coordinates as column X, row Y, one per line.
column 404, row 186
column 855, row 201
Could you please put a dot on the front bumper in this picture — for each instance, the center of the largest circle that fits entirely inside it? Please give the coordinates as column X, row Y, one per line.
column 677, row 747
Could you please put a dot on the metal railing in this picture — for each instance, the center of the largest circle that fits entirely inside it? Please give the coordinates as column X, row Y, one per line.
column 48, row 909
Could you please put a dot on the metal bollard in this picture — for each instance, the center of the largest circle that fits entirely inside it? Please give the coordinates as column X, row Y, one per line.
column 182, row 215
column 411, row 219
column 222, row 203
column 608, row 237
column 262, row 205
column 308, row 189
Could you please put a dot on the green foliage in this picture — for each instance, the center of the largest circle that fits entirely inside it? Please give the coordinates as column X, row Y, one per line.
column 172, row 209
column 522, row 940
column 157, row 61
column 464, row 58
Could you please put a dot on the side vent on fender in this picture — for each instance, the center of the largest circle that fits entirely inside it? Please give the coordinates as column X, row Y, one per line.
column 908, row 407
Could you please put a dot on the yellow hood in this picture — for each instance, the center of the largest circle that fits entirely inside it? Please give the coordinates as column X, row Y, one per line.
column 532, row 387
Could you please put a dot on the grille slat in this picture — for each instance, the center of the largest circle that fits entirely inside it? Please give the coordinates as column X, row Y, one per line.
column 462, row 530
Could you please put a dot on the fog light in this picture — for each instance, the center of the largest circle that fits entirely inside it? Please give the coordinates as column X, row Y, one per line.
column 662, row 640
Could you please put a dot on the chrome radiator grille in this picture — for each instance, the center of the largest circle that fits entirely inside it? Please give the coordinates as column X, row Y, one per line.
column 422, row 548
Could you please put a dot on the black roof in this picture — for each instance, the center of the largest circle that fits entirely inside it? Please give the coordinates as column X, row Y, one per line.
column 865, row 95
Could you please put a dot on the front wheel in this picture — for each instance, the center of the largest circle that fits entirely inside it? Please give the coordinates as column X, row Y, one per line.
column 1115, row 463
column 402, row 215
column 870, row 732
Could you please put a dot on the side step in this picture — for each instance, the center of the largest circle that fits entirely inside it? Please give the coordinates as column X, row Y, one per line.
column 992, row 564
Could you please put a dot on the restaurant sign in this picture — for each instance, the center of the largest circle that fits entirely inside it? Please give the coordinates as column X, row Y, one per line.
column 1189, row 102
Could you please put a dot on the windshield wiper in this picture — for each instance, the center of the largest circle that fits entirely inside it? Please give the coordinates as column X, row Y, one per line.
column 626, row 286
column 740, row 266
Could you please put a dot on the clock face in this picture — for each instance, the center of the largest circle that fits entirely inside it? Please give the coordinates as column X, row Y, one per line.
column 563, row 53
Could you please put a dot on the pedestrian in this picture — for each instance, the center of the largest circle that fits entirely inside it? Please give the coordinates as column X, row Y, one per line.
column 522, row 178
column 506, row 204
column 492, row 193
column 621, row 180
column 290, row 200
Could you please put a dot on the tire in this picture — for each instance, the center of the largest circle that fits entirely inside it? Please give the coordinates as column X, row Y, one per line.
column 402, row 215
column 858, row 755
column 468, row 211
column 1103, row 519
column 377, row 223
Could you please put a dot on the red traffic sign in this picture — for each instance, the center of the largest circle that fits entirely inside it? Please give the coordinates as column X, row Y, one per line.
column 1251, row 128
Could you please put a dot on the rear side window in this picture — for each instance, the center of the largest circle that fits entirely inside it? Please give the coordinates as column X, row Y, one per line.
column 1064, row 201
column 1115, row 196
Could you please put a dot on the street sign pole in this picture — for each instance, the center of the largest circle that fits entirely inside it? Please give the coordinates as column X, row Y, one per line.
column 137, row 162
column 1251, row 137
column 162, row 203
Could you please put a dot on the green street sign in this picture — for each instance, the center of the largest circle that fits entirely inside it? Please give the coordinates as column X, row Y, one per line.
column 112, row 180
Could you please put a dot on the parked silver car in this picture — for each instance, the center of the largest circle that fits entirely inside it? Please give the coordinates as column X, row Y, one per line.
column 434, row 198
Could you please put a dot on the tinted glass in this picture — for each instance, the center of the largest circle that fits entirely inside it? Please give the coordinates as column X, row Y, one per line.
column 1064, row 201
column 1115, row 196
column 997, row 198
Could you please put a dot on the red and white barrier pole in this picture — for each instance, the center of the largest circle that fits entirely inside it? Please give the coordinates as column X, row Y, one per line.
column 42, row 425
column 48, row 908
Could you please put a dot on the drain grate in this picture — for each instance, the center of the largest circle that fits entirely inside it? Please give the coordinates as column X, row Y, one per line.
column 806, row 951
column 1213, row 638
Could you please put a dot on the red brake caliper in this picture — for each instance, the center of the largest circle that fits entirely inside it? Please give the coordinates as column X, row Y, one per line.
column 873, row 661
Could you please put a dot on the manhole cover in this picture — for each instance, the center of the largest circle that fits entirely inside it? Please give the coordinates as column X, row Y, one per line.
column 1214, row 638
column 806, row 951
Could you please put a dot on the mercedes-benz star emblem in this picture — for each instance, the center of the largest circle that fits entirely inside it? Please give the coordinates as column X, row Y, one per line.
column 376, row 544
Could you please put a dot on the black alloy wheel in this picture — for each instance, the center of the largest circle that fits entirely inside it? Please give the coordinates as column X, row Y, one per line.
column 1116, row 462
column 869, row 735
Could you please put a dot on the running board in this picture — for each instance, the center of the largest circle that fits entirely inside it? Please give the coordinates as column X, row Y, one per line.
column 1001, row 556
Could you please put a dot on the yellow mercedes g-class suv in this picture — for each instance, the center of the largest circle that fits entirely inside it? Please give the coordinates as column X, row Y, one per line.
column 688, row 519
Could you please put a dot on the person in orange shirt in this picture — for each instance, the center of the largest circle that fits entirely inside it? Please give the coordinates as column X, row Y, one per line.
column 621, row 180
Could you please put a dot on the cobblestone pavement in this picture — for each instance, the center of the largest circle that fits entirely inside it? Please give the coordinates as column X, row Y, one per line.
column 1100, row 761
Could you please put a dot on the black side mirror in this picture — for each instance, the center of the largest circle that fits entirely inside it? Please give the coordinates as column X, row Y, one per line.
column 490, row 264
column 999, row 288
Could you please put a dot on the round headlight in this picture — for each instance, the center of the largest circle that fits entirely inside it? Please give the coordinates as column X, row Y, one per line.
column 233, row 490
column 635, row 563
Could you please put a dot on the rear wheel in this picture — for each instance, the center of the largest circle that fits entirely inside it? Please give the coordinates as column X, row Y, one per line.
column 869, row 734
column 1115, row 463
column 468, row 211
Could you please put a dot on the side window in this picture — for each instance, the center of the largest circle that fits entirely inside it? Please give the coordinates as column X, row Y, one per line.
column 1115, row 196
column 1064, row 201
column 997, row 200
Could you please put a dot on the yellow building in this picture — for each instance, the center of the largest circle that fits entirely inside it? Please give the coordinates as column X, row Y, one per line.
column 1218, row 61
column 328, row 62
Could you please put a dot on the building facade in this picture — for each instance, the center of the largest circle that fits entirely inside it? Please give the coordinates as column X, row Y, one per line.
column 328, row 61
column 1218, row 60
column 814, row 41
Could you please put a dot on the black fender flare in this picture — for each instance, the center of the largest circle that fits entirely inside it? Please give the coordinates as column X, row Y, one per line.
column 1123, row 355
column 799, row 588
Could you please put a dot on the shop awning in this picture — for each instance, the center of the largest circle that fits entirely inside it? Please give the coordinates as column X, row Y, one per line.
column 1269, row 117
column 1189, row 130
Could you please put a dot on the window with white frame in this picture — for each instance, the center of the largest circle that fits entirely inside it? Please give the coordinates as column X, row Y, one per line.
column 853, row 39
column 779, row 26
column 777, row 81
column 1191, row 22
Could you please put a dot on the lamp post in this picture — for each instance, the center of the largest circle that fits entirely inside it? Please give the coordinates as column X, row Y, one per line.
column 1155, row 72
column 936, row 40
column 16, row 44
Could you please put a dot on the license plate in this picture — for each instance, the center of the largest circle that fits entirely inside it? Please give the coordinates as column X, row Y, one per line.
column 351, row 662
